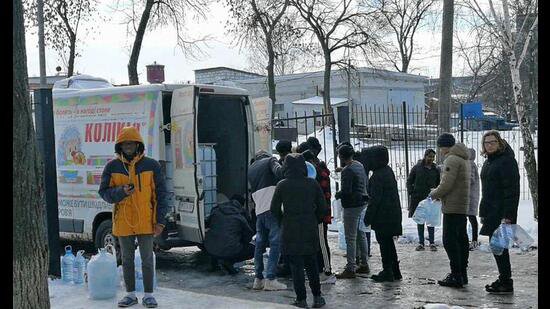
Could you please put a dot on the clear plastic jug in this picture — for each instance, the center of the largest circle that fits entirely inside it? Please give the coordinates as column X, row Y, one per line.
column 102, row 274
column 139, row 271
column 79, row 267
column 67, row 264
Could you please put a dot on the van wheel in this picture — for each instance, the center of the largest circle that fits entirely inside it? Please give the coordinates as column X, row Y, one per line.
column 104, row 236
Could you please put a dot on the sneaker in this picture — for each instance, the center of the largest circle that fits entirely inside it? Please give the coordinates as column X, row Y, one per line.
column 327, row 279
column 451, row 281
column 433, row 247
column 258, row 284
column 346, row 274
column 363, row 269
column 385, row 275
column 127, row 301
column 149, row 302
column 500, row 287
column 318, row 301
column 299, row 303
column 419, row 248
column 274, row 285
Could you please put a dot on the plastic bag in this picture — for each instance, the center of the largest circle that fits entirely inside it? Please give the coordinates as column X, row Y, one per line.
column 503, row 238
column 521, row 237
column 428, row 211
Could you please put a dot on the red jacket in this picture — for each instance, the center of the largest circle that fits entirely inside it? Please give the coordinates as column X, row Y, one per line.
column 323, row 178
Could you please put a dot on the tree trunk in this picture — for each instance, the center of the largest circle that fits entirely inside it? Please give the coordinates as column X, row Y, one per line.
column 326, row 83
column 30, row 251
column 446, row 67
column 72, row 55
column 524, row 121
column 136, row 48
column 404, row 64
column 271, row 75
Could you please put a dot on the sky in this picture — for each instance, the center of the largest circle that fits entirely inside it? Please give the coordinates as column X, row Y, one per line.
column 106, row 53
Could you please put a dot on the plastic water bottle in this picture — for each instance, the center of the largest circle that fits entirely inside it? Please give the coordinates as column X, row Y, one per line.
column 79, row 267
column 67, row 264
column 102, row 275
column 139, row 271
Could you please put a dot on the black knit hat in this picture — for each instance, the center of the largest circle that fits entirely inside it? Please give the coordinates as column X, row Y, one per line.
column 346, row 151
column 302, row 147
column 314, row 144
column 446, row 140
column 283, row 146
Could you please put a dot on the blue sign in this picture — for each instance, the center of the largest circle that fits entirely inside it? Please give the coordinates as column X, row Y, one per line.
column 472, row 110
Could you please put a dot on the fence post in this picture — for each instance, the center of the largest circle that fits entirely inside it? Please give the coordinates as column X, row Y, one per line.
column 406, row 137
column 343, row 124
column 46, row 145
column 462, row 122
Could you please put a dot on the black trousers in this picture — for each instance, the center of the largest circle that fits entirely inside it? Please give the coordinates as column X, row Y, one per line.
column 246, row 254
column 455, row 241
column 297, row 265
column 475, row 228
column 503, row 264
column 387, row 250
column 323, row 256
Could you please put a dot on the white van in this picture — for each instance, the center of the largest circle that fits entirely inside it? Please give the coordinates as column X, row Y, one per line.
column 203, row 135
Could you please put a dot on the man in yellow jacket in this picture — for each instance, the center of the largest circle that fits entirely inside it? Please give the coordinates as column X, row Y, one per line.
column 135, row 184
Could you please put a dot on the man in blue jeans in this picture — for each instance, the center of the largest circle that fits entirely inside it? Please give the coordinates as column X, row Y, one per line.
column 263, row 175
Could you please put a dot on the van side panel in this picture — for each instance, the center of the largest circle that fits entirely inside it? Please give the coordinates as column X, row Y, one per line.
column 86, row 126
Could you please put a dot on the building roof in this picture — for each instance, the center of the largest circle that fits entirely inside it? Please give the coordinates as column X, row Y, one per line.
column 224, row 68
column 370, row 71
column 34, row 81
column 317, row 100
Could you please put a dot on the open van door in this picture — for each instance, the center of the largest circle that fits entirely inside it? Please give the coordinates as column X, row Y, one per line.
column 187, row 175
column 261, row 119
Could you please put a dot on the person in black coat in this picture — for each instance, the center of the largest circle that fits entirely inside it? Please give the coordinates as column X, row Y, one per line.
column 499, row 200
column 229, row 234
column 424, row 176
column 304, row 207
column 383, row 211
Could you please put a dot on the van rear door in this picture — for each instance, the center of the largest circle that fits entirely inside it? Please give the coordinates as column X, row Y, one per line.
column 261, row 118
column 184, row 153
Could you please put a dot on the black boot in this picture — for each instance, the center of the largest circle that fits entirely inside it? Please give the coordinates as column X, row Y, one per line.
column 318, row 301
column 397, row 271
column 501, row 286
column 386, row 275
column 452, row 280
column 300, row 303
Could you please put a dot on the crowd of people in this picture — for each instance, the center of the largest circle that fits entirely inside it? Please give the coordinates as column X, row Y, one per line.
column 292, row 212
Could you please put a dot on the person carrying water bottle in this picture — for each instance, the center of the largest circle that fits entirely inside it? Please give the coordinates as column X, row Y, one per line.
column 136, row 185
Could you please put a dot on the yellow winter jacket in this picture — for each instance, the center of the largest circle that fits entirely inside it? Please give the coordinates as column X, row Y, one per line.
column 137, row 213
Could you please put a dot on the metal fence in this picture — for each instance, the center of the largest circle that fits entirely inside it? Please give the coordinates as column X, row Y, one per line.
column 407, row 131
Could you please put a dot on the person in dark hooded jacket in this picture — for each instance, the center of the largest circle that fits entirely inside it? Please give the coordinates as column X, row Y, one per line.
column 423, row 177
column 384, row 211
column 499, row 200
column 229, row 234
column 303, row 210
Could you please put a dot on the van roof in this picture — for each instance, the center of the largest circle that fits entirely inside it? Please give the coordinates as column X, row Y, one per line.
column 64, row 93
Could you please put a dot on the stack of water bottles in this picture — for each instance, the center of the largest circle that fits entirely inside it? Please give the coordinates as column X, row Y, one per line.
column 73, row 268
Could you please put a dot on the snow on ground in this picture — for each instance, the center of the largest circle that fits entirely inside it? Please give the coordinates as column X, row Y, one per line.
column 64, row 295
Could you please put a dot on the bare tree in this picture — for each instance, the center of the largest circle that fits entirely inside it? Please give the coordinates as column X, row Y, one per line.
column 404, row 18
column 30, row 248
column 64, row 23
column 151, row 14
column 515, row 48
column 268, row 30
column 337, row 27
column 480, row 53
